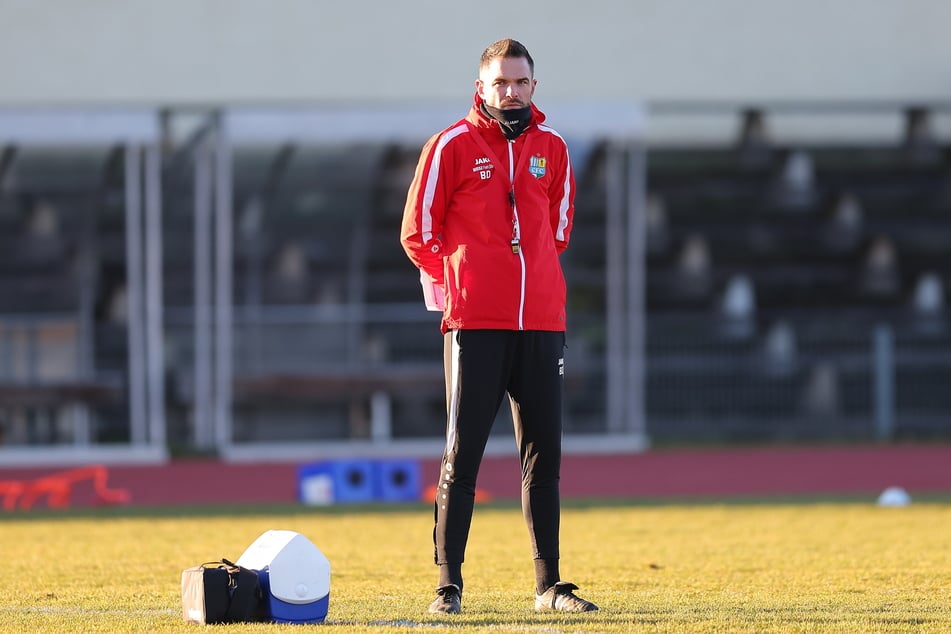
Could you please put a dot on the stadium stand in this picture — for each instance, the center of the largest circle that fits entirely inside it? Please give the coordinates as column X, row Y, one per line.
column 50, row 387
column 834, row 243
column 793, row 291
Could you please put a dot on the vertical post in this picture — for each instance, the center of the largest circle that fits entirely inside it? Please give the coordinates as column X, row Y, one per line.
column 636, row 313
column 615, row 289
column 883, row 389
column 154, row 330
column 203, row 430
column 223, row 291
column 381, row 417
column 138, row 424
column 85, row 346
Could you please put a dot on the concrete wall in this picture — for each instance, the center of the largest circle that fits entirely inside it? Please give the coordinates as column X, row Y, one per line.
column 224, row 51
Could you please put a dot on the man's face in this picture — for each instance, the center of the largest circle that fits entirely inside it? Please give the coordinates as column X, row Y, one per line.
column 506, row 83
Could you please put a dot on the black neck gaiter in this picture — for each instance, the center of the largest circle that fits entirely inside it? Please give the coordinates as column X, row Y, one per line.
column 513, row 122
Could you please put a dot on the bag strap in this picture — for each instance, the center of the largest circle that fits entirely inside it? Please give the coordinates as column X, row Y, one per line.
column 245, row 590
column 229, row 565
column 210, row 564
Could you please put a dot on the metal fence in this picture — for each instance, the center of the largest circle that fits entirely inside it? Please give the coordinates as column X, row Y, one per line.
column 258, row 300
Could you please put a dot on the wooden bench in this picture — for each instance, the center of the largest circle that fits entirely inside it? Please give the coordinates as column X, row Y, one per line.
column 42, row 370
column 53, row 394
column 373, row 389
column 345, row 383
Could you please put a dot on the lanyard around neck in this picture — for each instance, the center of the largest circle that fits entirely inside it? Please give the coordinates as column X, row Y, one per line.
column 510, row 177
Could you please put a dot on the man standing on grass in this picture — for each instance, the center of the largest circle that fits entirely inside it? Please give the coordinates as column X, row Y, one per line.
column 487, row 215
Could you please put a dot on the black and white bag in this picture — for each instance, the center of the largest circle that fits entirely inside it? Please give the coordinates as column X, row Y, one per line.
column 221, row 592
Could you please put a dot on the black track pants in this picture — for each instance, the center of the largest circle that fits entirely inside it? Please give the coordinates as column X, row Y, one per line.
column 481, row 367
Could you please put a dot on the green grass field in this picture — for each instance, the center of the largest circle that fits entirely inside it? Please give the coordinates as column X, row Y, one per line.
column 764, row 567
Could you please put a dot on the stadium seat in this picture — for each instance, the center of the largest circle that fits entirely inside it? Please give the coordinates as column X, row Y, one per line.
column 795, row 186
column 694, row 268
column 780, row 349
column 929, row 297
column 919, row 138
column 657, row 225
column 928, row 304
column 738, row 306
column 845, row 227
column 880, row 276
column 821, row 396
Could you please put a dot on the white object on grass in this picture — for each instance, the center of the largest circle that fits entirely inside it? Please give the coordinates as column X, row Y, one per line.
column 894, row 496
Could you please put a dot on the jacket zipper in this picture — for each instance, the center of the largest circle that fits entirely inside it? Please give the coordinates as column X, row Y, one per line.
column 516, row 237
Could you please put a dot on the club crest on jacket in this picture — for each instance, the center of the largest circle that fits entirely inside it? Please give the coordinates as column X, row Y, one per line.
column 536, row 166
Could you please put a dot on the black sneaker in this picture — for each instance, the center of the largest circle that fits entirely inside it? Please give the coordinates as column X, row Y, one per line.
column 448, row 600
column 560, row 598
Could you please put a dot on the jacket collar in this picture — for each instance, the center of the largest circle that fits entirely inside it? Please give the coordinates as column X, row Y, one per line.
column 480, row 120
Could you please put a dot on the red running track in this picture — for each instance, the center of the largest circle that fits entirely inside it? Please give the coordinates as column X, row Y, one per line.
column 660, row 473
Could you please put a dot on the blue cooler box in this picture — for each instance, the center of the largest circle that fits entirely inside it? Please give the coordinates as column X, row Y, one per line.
column 294, row 575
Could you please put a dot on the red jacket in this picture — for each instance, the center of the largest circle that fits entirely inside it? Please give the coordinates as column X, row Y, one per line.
column 497, row 261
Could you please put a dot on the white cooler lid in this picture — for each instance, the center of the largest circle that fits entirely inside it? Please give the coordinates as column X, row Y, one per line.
column 297, row 571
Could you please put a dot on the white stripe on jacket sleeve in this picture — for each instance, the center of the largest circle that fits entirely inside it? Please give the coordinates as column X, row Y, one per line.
column 429, row 193
column 566, row 196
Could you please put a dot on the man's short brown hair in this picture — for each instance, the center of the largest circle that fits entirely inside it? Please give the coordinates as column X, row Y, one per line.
column 506, row 48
